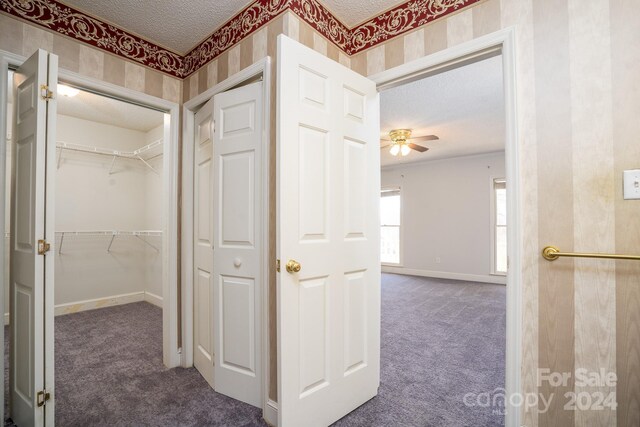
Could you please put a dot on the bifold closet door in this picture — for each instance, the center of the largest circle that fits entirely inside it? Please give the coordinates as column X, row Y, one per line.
column 31, row 271
column 237, row 264
column 203, row 244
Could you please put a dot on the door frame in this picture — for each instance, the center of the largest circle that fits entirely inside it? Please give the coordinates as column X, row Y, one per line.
column 499, row 42
column 170, row 350
column 259, row 69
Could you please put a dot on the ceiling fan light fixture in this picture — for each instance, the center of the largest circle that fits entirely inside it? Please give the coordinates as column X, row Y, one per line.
column 401, row 144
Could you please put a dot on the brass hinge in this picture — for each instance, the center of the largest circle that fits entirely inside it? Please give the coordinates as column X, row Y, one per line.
column 42, row 397
column 45, row 93
column 278, row 265
column 43, row 247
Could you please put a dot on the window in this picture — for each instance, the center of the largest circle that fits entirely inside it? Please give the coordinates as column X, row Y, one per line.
column 390, row 226
column 500, row 226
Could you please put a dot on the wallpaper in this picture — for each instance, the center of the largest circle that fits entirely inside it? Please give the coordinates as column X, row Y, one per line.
column 60, row 18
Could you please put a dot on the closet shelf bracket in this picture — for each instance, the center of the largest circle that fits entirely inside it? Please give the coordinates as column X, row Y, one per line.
column 113, row 236
column 60, row 156
column 148, row 165
column 113, row 162
column 145, row 240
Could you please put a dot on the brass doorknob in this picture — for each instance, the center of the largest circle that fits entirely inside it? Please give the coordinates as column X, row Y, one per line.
column 293, row 266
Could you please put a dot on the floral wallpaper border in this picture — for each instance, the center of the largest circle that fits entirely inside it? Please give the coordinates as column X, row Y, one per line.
column 66, row 20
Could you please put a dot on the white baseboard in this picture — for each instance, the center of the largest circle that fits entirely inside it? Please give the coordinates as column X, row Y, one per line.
column 270, row 413
column 153, row 299
column 92, row 304
column 498, row 280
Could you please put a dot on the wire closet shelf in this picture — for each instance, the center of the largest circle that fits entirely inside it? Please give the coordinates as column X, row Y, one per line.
column 143, row 154
column 138, row 234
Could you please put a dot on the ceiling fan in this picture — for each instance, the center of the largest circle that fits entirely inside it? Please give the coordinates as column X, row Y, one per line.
column 402, row 143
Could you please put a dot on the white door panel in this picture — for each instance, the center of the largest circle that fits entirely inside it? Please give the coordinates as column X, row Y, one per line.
column 328, row 220
column 237, row 217
column 203, row 292
column 31, row 274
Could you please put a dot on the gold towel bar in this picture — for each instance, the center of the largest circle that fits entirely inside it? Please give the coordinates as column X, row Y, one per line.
column 551, row 253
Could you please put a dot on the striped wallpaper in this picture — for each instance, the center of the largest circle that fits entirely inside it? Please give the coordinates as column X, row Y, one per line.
column 578, row 98
column 577, row 74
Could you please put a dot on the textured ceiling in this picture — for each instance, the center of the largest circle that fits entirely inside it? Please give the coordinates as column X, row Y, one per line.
column 464, row 107
column 177, row 25
column 355, row 12
column 101, row 109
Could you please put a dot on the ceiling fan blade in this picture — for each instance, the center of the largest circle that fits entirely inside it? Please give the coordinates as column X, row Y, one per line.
column 385, row 146
column 417, row 147
column 424, row 138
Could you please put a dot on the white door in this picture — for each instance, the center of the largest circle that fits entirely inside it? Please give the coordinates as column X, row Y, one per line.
column 203, row 244
column 31, row 274
column 328, row 218
column 237, row 247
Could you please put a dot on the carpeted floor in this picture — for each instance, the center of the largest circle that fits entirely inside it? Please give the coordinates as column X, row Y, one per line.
column 109, row 372
column 441, row 339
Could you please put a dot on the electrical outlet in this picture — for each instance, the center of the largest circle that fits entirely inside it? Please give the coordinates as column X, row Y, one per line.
column 631, row 180
column 437, row 260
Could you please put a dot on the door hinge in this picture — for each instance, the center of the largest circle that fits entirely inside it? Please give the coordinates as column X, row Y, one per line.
column 42, row 397
column 45, row 93
column 43, row 247
column 278, row 265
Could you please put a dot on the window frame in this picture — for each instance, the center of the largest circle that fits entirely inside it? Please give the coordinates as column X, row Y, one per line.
column 397, row 188
column 494, row 226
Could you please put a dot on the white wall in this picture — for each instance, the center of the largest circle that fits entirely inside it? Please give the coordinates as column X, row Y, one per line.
column 153, row 217
column 446, row 214
column 88, row 198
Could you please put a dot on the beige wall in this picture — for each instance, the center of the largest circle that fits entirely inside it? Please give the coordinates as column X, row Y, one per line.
column 578, row 93
column 578, row 98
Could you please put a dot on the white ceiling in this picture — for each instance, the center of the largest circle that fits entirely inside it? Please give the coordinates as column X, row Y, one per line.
column 101, row 109
column 178, row 25
column 464, row 107
column 355, row 12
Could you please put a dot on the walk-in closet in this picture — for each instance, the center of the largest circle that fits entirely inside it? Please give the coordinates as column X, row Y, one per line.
column 108, row 202
column 108, row 241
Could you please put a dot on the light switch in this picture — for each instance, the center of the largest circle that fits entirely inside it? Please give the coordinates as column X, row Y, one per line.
column 631, row 184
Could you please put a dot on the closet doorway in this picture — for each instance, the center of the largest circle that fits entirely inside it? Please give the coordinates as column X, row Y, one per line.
column 109, row 246
column 110, row 270
column 226, row 229
column 108, row 199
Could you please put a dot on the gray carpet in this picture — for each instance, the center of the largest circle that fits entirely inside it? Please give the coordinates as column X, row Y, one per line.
column 441, row 339
column 109, row 372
